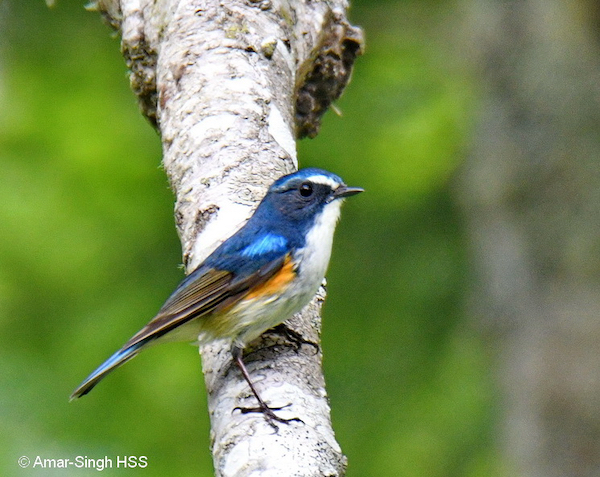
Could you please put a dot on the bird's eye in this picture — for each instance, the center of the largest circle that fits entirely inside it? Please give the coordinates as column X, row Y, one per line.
column 306, row 189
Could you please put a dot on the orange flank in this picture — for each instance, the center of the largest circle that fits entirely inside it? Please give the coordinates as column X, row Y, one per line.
column 276, row 284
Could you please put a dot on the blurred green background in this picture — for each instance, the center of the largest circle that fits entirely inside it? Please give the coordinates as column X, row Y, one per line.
column 88, row 253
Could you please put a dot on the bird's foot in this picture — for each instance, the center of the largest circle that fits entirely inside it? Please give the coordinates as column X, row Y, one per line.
column 294, row 337
column 269, row 414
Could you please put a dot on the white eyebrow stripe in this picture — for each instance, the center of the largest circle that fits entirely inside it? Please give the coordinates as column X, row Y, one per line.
column 324, row 180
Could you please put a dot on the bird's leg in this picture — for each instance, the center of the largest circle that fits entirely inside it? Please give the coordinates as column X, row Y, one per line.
column 267, row 411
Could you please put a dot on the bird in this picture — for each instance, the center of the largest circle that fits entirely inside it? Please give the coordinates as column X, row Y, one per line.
column 255, row 280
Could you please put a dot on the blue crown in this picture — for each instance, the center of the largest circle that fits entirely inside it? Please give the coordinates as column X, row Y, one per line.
column 313, row 173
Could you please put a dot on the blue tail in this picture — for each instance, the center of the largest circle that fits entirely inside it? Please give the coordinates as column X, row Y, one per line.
column 116, row 360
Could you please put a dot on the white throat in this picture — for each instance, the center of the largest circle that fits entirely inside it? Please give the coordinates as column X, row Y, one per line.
column 317, row 249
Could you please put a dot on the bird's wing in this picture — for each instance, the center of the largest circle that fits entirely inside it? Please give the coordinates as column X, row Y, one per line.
column 205, row 291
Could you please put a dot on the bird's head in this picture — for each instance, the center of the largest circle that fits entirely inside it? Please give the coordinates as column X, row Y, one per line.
column 302, row 199
column 305, row 194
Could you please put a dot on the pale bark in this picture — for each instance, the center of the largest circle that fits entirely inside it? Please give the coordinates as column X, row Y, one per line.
column 230, row 85
column 531, row 191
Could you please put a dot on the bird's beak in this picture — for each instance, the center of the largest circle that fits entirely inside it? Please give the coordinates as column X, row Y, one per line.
column 345, row 191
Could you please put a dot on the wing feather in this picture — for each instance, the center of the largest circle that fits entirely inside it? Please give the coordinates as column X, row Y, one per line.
column 211, row 290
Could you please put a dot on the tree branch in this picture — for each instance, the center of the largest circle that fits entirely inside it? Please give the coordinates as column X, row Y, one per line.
column 530, row 191
column 230, row 85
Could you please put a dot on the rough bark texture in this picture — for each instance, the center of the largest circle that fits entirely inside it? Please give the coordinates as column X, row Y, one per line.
column 531, row 189
column 230, row 85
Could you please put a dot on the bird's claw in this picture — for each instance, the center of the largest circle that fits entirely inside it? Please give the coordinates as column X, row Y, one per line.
column 269, row 414
column 294, row 337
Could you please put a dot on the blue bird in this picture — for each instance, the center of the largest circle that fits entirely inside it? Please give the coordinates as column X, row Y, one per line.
column 255, row 280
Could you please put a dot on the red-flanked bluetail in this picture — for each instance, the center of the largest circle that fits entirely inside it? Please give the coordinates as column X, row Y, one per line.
column 259, row 277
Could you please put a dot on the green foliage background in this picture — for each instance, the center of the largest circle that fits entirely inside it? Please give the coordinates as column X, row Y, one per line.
column 88, row 253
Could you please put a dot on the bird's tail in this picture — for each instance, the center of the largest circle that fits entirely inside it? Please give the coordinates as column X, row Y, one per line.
column 116, row 360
